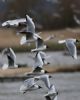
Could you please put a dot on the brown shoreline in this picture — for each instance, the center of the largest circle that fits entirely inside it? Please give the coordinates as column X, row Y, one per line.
column 21, row 71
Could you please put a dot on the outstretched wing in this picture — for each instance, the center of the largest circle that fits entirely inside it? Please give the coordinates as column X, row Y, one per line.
column 72, row 48
column 38, row 60
column 45, row 79
column 30, row 24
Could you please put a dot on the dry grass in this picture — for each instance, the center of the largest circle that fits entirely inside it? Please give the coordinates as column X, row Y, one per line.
column 14, row 72
column 8, row 37
column 63, row 69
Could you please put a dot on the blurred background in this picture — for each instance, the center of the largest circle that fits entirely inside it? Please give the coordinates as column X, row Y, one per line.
column 51, row 17
column 48, row 14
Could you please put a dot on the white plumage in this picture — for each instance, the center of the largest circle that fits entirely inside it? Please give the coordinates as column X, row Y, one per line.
column 11, row 58
column 15, row 22
column 51, row 88
column 38, row 60
column 30, row 34
column 29, row 84
column 70, row 44
column 39, row 45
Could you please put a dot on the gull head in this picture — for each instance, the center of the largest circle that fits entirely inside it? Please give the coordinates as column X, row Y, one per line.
column 77, row 40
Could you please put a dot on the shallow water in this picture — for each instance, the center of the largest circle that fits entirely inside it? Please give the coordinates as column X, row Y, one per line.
column 68, row 86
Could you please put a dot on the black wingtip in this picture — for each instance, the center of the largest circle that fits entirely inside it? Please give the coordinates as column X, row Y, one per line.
column 47, row 98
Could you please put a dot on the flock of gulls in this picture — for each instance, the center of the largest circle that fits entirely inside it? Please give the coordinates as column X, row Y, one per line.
column 38, row 73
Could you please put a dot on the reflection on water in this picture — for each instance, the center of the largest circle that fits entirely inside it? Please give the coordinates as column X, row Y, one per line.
column 68, row 86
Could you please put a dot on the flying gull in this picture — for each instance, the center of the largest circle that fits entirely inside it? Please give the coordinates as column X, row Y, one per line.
column 70, row 44
column 29, row 31
column 11, row 58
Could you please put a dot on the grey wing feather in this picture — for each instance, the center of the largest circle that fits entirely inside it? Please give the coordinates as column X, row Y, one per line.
column 72, row 48
column 30, row 24
column 46, row 81
column 29, row 82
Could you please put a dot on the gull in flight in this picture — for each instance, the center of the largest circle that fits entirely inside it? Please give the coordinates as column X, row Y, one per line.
column 40, row 61
column 39, row 45
column 15, row 22
column 31, row 84
column 44, row 57
column 11, row 58
column 51, row 88
column 28, row 85
column 38, row 64
column 30, row 34
column 70, row 44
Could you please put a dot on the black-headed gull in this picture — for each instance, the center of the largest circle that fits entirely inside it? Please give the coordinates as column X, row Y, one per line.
column 40, row 61
column 51, row 88
column 11, row 58
column 70, row 44
column 29, row 31
column 39, row 45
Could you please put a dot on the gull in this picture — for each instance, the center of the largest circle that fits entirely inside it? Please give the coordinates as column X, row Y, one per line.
column 45, row 79
column 70, row 44
column 11, row 58
column 44, row 57
column 40, row 60
column 51, row 88
column 30, row 34
column 15, row 22
column 39, row 45
column 38, row 65
column 28, row 85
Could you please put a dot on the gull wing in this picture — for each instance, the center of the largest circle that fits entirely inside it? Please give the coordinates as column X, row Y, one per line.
column 72, row 48
column 14, row 22
column 12, row 53
column 45, row 79
column 38, row 60
column 11, row 57
column 27, row 84
column 43, row 54
column 30, row 24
